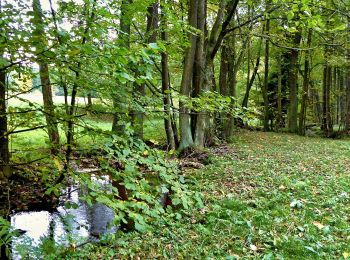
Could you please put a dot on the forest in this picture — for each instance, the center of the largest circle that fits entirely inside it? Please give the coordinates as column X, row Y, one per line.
column 174, row 129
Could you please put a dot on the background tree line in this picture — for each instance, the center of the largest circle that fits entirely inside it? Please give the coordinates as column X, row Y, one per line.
column 203, row 67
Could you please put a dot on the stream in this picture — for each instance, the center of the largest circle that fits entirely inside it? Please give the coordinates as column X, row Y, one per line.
column 65, row 226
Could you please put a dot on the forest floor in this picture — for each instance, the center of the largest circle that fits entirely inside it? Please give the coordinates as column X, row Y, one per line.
column 268, row 195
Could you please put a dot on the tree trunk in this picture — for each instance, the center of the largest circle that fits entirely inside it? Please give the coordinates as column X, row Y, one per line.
column 347, row 87
column 342, row 98
column 324, row 98
column 118, row 125
column 213, row 44
column 336, row 96
column 223, row 85
column 5, row 171
column 347, row 114
column 327, row 126
column 205, row 75
column 317, row 108
column 251, row 80
column 49, row 109
column 89, row 100
column 185, row 89
column 166, row 86
column 302, row 116
column 328, row 102
column 293, row 85
column 279, row 119
column 266, row 75
column 233, row 63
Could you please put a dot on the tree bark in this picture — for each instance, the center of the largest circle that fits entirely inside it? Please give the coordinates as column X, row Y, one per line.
column 166, row 86
column 266, row 75
column 89, row 100
column 279, row 119
column 118, row 125
column 327, row 125
column 293, row 85
column 306, row 76
column 204, row 74
column 216, row 37
column 185, row 88
column 5, row 171
column 347, row 87
column 49, row 108
column 251, row 80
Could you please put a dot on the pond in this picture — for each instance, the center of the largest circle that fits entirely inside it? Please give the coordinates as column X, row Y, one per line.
column 65, row 226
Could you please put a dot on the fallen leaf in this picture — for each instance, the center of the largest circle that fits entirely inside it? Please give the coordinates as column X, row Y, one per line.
column 253, row 247
column 318, row 225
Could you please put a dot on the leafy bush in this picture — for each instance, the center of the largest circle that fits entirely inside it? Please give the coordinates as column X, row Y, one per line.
column 141, row 178
column 6, row 235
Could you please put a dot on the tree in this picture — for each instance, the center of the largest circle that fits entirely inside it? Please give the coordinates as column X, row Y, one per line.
column 168, row 117
column 305, row 91
column 41, row 45
column 4, row 145
column 123, row 42
column 347, row 83
column 293, row 83
column 266, row 74
column 185, row 89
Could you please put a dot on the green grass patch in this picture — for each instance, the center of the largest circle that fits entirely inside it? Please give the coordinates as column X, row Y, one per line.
column 278, row 196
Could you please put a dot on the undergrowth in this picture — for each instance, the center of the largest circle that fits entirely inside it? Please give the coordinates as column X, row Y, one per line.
column 274, row 196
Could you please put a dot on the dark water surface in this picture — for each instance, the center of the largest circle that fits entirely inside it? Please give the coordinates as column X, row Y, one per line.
column 66, row 226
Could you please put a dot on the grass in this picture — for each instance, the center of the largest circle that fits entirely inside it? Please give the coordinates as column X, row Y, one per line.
column 277, row 196
column 34, row 144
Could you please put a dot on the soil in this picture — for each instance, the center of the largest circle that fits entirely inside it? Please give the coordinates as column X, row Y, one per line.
column 22, row 193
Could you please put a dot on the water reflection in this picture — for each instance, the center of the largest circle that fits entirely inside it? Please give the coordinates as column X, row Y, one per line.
column 66, row 225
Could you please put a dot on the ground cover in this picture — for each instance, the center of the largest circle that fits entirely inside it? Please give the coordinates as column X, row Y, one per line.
column 271, row 196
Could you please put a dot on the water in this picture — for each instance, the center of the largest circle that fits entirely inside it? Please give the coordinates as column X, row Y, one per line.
column 65, row 226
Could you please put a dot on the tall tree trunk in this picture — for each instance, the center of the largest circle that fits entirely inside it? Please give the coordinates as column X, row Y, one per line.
column 118, row 125
column 5, row 171
column 336, row 95
column 49, row 109
column 89, row 100
column 251, row 80
column 306, row 76
column 265, row 93
column 328, row 102
column 324, row 97
column 204, row 73
column 317, row 108
column 185, row 89
column 327, row 126
column 223, row 80
column 347, row 87
column 233, row 67
column 216, row 37
column 347, row 113
column 293, row 85
column 342, row 97
column 279, row 119
column 233, row 63
column 166, row 86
